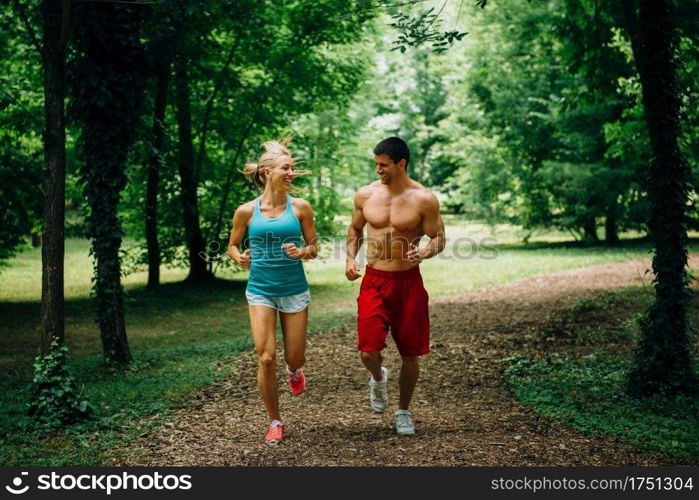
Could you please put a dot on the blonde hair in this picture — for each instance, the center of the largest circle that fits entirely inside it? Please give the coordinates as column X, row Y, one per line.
column 255, row 172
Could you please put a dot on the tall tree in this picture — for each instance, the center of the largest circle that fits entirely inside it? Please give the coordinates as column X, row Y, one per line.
column 155, row 159
column 160, row 55
column 54, row 392
column 189, row 178
column 52, row 252
column 662, row 363
column 107, row 84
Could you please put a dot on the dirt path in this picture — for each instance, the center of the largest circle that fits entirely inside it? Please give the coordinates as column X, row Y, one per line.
column 462, row 415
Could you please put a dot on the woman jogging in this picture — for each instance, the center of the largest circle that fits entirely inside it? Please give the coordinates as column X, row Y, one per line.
column 275, row 222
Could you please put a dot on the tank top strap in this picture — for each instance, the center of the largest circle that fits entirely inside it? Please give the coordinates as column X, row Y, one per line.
column 256, row 209
column 289, row 205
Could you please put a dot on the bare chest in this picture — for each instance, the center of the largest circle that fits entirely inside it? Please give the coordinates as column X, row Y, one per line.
column 397, row 214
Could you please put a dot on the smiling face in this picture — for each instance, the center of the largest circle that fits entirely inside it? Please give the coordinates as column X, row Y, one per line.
column 387, row 169
column 281, row 175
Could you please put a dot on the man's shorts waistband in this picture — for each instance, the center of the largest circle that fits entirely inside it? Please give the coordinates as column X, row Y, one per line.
column 395, row 275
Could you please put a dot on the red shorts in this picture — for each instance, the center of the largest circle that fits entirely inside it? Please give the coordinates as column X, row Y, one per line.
column 396, row 300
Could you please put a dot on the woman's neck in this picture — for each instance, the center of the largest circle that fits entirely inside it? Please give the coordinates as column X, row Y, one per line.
column 274, row 197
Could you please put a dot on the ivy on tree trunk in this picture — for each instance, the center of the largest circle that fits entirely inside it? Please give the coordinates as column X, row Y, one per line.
column 662, row 362
column 108, row 85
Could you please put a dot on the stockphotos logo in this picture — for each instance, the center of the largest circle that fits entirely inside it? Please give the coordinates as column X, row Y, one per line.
column 103, row 482
column 16, row 487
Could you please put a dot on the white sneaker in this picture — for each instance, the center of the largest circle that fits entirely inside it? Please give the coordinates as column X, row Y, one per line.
column 404, row 423
column 378, row 392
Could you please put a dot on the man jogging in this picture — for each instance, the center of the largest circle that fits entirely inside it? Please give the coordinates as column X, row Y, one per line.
column 397, row 212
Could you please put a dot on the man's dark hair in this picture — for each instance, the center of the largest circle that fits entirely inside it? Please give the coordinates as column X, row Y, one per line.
column 395, row 148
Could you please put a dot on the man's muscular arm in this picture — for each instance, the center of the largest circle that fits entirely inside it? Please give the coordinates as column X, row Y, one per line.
column 355, row 236
column 433, row 227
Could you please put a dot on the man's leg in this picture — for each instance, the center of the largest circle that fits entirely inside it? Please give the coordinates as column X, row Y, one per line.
column 409, row 373
column 372, row 360
column 378, row 383
column 372, row 329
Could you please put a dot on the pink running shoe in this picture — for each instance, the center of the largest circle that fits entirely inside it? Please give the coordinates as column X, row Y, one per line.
column 297, row 381
column 275, row 432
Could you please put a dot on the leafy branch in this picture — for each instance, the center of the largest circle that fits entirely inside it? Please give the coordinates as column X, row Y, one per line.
column 424, row 28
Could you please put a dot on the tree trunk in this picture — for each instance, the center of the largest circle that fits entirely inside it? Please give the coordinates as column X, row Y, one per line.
column 158, row 134
column 662, row 363
column 611, row 235
column 110, row 312
column 53, row 249
column 36, row 239
column 188, row 177
column 590, row 231
column 106, row 242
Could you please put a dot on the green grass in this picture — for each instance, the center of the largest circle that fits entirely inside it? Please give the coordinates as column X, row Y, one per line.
column 183, row 336
column 588, row 395
column 122, row 400
column 581, row 382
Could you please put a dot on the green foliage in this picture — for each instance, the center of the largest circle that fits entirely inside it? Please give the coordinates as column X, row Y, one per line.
column 20, row 196
column 326, row 145
column 589, row 395
column 328, row 205
column 421, row 114
column 255, row 68
column 55, row 399
column 423, row 29
column 20, row 135
column 543, row 87
column 537, row 119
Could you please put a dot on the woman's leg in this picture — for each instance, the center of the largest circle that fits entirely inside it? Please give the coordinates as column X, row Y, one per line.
column 294, row 330
column 263, row 322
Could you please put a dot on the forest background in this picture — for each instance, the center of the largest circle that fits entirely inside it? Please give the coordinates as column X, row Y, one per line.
column 526, row 119
column 533, row 119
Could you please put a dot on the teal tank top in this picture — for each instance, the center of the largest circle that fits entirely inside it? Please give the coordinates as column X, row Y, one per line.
column 272, row 272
